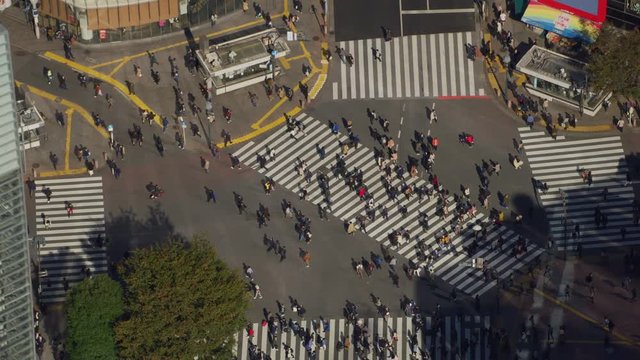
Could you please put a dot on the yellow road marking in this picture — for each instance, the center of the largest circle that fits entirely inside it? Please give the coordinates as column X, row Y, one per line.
column 105, row 78
column 585, row 317
column 67, row 145
column 322, row 78
column 285, row 63
column 63, row 172
column 297, row 57
column 493, row 81
column 256, row 125
column 308, row 55
column 520, row 78
column 263, row 129
column 117, row 68
column 66, row 103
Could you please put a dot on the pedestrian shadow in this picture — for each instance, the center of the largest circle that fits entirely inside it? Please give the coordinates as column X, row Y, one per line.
column 534, row 225
column 128, row 230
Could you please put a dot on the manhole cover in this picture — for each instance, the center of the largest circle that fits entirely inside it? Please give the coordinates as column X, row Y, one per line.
column 316, row 38
column 35, row 165
column 20, row 53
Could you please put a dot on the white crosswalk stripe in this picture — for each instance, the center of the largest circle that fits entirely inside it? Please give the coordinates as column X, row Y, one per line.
column 559, row 163
column 453, row 266
column 423, row 65
column 466, row 336
column 70, row 241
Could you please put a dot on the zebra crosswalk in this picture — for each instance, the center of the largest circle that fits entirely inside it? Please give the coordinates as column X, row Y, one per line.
column 560, row 164
column 453, row 266
column 466, row 336
column 410, row 67
column 73, row 242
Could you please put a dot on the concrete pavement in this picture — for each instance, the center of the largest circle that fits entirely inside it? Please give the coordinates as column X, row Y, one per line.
column 497, row 77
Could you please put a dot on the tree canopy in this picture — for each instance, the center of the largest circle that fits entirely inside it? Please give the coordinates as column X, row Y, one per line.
column 614, row 64
column 181, row 301
column 92, row 307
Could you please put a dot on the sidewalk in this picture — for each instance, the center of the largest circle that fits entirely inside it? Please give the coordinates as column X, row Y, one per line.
column 113, row 65
column 540, row 298
column 497, row 75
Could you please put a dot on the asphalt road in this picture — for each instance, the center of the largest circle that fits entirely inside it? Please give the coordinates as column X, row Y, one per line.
column 133, row 220
column 363, row 19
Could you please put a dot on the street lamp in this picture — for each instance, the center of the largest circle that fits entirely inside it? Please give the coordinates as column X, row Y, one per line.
column 110, row 130
column 274, row 52
column 506, row 60
column 34, row 12
column 183, row 125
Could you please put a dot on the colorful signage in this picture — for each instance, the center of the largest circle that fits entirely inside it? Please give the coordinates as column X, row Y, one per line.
column 563, row 21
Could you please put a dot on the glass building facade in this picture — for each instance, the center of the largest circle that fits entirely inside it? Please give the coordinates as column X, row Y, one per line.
column 16, row 303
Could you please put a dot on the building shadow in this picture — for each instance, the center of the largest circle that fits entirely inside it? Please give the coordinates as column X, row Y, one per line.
column 128, row 230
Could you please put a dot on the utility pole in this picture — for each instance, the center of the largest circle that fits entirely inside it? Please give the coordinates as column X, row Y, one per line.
column 34, row 12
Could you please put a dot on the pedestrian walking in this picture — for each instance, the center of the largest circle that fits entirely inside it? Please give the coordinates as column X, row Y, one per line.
column 253, row 98
column 45, row 221
column 47, row 192
column 62, row 81
column 226, row 136
column 376, row 54
column 31, row 186
column 211, row 195
column 386, row 33
column 153, row 60
column 54, row 160
column 306, row 258
column 69, row 207
column 248, row 271
column 257, row 292
column 204, row 163
column 130, row 87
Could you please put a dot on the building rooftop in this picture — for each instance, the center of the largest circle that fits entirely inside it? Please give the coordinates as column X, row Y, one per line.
column 554, row 67
column 248, row 50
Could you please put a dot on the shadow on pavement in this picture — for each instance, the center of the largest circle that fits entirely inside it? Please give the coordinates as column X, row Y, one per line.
column 128, row 231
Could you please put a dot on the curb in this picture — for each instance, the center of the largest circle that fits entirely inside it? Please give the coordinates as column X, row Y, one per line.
column 499, row 91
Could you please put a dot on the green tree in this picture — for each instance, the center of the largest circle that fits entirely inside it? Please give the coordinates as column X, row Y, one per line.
column 614, row 64
column 92, row 307
column 181, row 301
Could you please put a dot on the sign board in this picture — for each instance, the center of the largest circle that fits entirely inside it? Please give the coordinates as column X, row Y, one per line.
column 103, row 34
column 562, row 22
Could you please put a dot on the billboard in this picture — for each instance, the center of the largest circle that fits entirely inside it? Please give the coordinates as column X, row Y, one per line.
column 562, row 20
